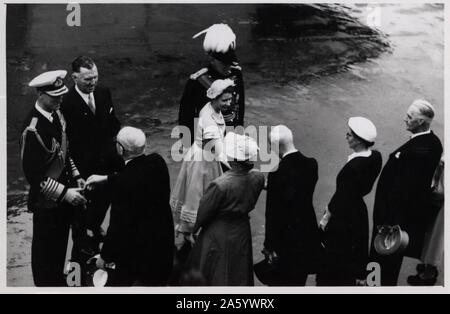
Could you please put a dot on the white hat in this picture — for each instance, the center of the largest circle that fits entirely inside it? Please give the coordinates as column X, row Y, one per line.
column 50, row 83
column 240, row 147
column 218, row 38
column 217, row 88
column 364, row 128
column 132, row 139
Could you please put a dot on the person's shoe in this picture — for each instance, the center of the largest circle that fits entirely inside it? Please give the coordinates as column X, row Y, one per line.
column 416, row 280
column 427, row 277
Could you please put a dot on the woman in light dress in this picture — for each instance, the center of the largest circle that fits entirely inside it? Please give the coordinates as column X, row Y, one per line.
column 202, row 163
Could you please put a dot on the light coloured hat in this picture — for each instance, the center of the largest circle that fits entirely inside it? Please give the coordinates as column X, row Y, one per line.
column 50, row 83
column 132, row 139
column 364, row 128
column 217, row 88
column 219, row 38
column 240, row 147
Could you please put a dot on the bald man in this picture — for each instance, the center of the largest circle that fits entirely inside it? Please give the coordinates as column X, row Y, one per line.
column 140, row 237
column 292, row 235
column 403, row 193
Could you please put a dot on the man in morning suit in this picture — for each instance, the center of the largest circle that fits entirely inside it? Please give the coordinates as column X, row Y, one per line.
column 403, row 195
column 292, row 234
column 140, row 237
column 91, row 128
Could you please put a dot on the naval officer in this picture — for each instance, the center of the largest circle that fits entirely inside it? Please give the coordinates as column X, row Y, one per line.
column 53, row 178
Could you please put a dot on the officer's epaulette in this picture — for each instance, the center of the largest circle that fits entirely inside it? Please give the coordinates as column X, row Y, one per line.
column 32, row 126
column 199, row 73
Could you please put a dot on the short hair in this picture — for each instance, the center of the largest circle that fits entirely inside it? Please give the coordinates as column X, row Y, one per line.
column 281, row 134
column 82, row 62
column 425, row 109
column 132, row 140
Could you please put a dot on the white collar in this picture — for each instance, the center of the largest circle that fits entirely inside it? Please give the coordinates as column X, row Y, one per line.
column 46, row 114
column 84, row 95
column 365, row 153
column 420, row 133
column 289, row 152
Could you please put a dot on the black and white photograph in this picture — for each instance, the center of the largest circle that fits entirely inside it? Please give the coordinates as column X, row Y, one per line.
column 270, row 145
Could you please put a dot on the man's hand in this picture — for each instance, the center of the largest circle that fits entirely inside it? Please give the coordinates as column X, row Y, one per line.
column 189, row 237
column 95, row 179
column 81, row 183
column 271, row 256
column 100, row 263
column 74, row 198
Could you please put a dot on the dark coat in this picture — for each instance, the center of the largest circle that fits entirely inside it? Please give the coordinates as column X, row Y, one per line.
column 194, row 99
column 140, row 237
column 347, row 233
column 92, row 136
column 223, row 251
column 291, row 224
column 35, row 159
column 404, row 190
column 51, row 215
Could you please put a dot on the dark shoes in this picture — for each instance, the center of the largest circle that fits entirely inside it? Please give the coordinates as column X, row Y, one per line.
column 426, row 276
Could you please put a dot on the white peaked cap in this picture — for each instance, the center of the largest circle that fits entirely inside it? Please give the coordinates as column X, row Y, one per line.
column 132, row 139
column 240, row 147
column 364, row 128
column 218, row 38
column 50, row 82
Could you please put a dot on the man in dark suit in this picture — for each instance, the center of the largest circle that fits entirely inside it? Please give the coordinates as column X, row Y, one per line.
column 403, row 195
column 52, row 176
column 292, row 235
column 91, row 128
column 220, row 44
column 140, row 237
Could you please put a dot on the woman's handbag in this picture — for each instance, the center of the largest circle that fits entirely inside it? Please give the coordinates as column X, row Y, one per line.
column 391, row 240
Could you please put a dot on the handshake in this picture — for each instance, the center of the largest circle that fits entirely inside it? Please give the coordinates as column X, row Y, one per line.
column 75, row 196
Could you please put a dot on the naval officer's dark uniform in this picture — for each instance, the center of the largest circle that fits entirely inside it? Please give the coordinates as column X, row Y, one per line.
column 50, row 172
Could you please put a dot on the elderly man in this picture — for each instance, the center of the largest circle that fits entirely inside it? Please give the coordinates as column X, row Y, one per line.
column 220, row 45
column 140, row 237
column 51, row 174
column 292, row 234
column 403, row 195
column 91, row 129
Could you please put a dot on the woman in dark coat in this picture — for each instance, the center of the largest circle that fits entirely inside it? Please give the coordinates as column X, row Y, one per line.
column 346, row 225
column 223, row 251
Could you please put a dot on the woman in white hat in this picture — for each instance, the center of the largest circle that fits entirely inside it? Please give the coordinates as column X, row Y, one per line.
column 202, row 163
column 223, row 252
column 220, row 45
column 346, row 223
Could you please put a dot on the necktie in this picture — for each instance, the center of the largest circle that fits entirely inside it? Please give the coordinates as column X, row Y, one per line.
column 56, row 121
column 91, row 104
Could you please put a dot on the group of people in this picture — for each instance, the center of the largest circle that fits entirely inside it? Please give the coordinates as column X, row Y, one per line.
column 72, row 186
column 79, row 162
